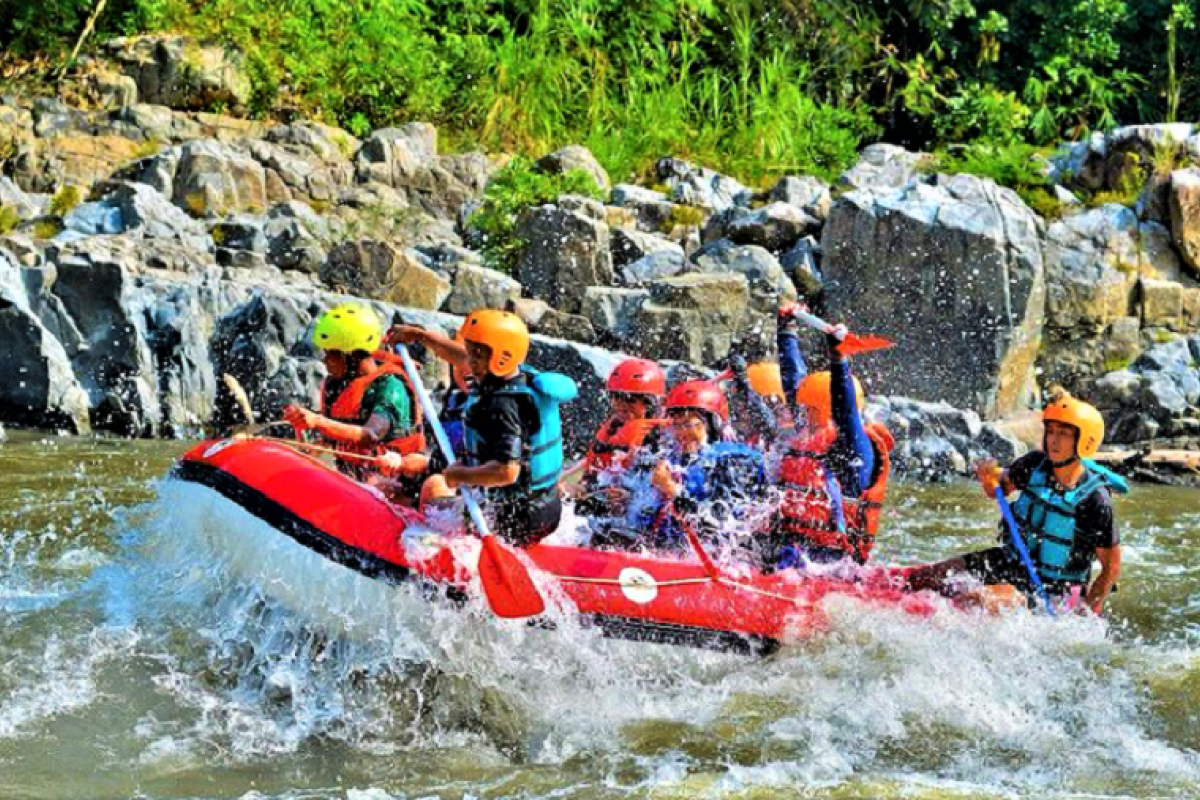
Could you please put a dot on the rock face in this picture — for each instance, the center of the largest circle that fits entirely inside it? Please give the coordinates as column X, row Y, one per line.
column 39, row 387
column 881, row 167
column 1157, row 396
column 575, row 157
column 381, row 271
column 565, row 252
column 935, row 441
column 1185, row 216
column 180, row 72
column 953, row 272
column 407, row 160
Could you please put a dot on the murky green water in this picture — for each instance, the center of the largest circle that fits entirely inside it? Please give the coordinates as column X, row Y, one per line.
column 133, row 663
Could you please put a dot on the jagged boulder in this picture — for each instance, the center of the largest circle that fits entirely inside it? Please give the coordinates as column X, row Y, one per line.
column 37, row 384
column 406, row 159
column 810, row 195
column 297, row 237
column 695, row 317
column 564, row 253
column 575, row 157
column 935, row 441
column 613, row 314
column 630, row 245
column 182, row 72
column 953, row 271
column 1184, row 204
column 213, row 179
column 382, row 271
column 693, row 185
column 768, row 284
column 652, row 208
column 777, row 226
column 477, row 287
column 881, row 167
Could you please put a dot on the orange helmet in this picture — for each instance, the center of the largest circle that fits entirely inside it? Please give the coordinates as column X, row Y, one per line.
column 766, row 379
column 814, row 395
column 1083, row 417
column 503, row 333
column 702, row 395
column 638, row 376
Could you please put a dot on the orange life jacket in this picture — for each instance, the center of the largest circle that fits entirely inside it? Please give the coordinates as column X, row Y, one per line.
column 614, row 440
column 348, row 409
column 806, row 511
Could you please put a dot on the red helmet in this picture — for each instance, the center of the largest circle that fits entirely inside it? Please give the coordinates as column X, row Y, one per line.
column 638, row 376
column 703, row 395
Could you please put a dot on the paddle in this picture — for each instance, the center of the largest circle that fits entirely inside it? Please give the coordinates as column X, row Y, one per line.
column 506, row 582
column 853, row 343
column 1019, row 542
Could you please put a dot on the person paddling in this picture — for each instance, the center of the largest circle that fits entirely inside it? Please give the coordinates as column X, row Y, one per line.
column 699, row 477
column 834, row 472
column 636, row 388
column 1064, row 514
column 512, row 429
column 367, row 405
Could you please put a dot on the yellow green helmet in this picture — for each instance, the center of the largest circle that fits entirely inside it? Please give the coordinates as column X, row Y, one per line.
column 346, row 328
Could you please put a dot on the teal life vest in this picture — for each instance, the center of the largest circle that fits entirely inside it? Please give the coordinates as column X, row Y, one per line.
column 1046, row 517
column 542, row 456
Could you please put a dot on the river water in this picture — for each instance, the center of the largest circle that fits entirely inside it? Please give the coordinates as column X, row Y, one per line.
column 133, row 664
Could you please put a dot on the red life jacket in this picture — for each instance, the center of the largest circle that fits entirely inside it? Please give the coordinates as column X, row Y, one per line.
column 348, row 409
column 806, row 512
column 614, row 440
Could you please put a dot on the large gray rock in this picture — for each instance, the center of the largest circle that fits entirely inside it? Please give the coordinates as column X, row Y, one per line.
column 630, row 245
column 181, row 72
column 935, row 441
column 695, row 317
column 406, row 159
column 953, row 272
column 37, row 385
column 659, row 264
column 1092, row 261
column 477, row 287
column 213, row 179
column 698, row 186
column 1184, row 203
column 571, row 157
column 564, row 253
column 613, row 313
column 24, row 205
column 777, row 226
column 881, row 167
column 803, row 265
column 295, row 173
column 810, row 195
column 144, row 210
column 769, row 286
column 652, row 208
column 381, row 271
column 297, row 237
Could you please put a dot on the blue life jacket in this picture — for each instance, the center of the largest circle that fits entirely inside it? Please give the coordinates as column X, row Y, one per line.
column 542, row 458
column 452, row 420
column 1046, row 517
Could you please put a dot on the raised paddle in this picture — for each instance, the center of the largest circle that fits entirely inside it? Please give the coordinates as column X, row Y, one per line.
column 1019, row 542
column 853, row 343
column 506, row 582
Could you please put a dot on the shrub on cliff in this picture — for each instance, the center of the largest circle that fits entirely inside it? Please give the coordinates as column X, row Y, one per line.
column 510, row 191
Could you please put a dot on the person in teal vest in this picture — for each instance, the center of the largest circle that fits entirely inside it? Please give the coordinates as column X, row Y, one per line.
column 512, row 431
column 1064, row 512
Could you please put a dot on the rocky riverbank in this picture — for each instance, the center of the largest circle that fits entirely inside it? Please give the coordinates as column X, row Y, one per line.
column 148, row 249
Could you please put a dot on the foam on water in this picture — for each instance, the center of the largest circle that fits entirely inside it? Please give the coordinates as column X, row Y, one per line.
column 261, row 649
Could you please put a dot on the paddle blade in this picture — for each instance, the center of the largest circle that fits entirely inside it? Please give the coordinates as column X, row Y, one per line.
column 506, row 582
column 853, row 343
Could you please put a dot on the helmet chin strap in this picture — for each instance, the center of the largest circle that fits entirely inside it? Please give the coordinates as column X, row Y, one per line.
column 1064, row 463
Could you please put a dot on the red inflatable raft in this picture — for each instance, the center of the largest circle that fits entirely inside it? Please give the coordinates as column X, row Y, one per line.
column 627, row 595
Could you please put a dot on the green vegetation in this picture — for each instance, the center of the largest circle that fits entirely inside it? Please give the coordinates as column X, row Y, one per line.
column 756, row 88
column 512, row 190
column 9, row 219
column 1116, row 363
column 64, row 200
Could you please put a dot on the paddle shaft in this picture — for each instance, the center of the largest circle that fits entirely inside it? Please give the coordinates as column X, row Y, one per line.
column 439, row 433
column 1019, row 542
